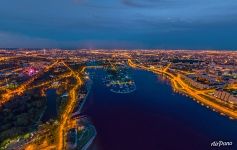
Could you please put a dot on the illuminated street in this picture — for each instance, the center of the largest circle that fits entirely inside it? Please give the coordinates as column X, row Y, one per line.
column 118, row 75
column 194, row 93
column 67, row 78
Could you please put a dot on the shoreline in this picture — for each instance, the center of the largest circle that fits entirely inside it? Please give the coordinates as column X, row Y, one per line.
column 89, row 86
column 185, row 89
column 214, row 106
column 90, row 141
column 90, row 126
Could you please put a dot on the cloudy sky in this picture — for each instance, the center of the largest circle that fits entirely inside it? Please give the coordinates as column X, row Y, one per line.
column 146, row 24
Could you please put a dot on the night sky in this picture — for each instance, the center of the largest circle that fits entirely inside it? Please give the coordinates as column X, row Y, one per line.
column 131, row 24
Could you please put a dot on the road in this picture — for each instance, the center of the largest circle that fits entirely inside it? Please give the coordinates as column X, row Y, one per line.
column 23, row 87
column 186, row 88
column 69, row 108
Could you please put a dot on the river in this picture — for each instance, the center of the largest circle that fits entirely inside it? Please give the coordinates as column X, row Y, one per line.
column 153, row 118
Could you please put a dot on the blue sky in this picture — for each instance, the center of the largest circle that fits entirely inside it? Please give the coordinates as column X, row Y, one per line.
column 146, row 24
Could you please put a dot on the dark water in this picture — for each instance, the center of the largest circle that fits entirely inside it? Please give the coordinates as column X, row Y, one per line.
column 153, row 118
column 51, row 110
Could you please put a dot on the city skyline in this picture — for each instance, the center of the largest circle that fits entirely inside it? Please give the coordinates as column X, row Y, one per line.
column 118, row 74
column 125, row 24
column 117, row 99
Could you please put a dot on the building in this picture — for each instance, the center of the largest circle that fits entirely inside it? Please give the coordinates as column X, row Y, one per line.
column 194, row 83
column 225, row 96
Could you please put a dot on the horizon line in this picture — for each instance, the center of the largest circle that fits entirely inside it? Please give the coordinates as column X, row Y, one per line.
column 118, row 49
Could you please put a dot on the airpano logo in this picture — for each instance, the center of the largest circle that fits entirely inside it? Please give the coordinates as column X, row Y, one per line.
column 221, row 143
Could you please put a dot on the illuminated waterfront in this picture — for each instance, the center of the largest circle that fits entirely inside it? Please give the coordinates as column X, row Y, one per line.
column 118, row 75
column 43, row 95
column 153, row 117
